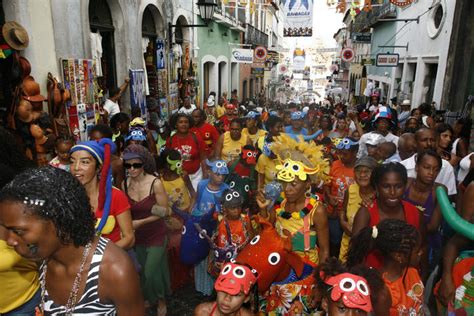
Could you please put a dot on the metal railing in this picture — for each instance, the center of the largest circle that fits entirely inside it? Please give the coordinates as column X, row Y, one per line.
column 364, row 20
column 253, row 36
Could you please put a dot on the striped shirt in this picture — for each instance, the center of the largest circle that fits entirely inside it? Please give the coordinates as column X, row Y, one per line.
column 89, row 304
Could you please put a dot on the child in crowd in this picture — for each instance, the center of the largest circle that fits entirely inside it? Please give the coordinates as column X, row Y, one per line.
column 179, row 189
column 63, row 157
column 234, row 286
column 399, row 243
column 208, row 197
column 233, row 231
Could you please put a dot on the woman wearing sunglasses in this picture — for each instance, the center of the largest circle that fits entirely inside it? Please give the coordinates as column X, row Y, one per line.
column 149, row 205
column 90, row 161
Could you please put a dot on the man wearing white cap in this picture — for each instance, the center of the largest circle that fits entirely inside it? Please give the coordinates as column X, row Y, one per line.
column 382, row 123
column 405, row 113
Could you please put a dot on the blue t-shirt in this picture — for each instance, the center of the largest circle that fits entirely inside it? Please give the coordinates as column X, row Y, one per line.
column 206, row 199
column 289, row 130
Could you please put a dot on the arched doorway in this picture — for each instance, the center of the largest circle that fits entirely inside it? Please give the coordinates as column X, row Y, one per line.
column 153, row 49
column 222, row 78
column 101, row 23
column 209, row 78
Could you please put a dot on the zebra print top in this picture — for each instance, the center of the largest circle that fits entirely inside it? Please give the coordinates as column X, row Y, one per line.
column 89, row 304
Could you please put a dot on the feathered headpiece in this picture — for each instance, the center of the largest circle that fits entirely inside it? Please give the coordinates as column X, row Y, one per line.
column 300, row 159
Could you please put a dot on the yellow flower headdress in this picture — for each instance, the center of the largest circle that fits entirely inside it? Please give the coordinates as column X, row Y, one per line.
column 300, row 159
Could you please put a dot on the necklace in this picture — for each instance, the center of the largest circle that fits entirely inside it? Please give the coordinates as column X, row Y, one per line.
column 72, row 300
column 311, row 203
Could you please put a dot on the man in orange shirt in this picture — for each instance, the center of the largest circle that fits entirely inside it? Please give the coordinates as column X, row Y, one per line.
column 342, row 175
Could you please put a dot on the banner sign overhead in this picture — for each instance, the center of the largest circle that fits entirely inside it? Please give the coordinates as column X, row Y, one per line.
column 298, row 17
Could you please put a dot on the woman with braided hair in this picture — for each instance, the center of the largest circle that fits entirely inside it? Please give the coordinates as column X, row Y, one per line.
column 389, row 181
column 399, row 244
column 91, row 165
column 48, row 219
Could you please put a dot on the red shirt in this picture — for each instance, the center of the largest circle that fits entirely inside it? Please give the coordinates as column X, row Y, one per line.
column 118, row 206
column 412, row 217
column 209, row 135
column 190, row 148
column 341, row 178
column 225, row 122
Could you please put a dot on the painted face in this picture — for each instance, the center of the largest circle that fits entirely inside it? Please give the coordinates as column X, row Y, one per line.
column 62, row 150
column 84, row 167
column 134, row 167
column 352, row 290
column 31, row 236
column 249, row 156
column 427, row 169
column 391, row 189
column 426, row 140
column 362, row 176
column 182, row 125
column 445, row 139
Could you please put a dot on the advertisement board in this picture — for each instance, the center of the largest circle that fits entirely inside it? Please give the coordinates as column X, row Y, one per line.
column 242, row 56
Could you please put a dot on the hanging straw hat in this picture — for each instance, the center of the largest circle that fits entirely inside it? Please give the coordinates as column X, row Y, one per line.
column 15, row 35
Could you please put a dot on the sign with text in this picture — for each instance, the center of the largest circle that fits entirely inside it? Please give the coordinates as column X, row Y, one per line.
column 243, row 56
column 298, row 18
column 362, row 37
column 387, row 60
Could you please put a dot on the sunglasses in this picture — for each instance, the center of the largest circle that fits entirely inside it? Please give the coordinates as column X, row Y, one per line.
column 137, row 165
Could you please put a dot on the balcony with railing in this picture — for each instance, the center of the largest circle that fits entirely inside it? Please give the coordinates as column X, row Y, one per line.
column 365, row 20
column 254, row 36
column 230, row 14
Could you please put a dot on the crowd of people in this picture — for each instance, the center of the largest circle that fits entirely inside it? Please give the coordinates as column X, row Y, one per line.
column 277, row 209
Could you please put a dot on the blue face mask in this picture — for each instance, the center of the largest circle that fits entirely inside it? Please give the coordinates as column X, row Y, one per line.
column 218, row 166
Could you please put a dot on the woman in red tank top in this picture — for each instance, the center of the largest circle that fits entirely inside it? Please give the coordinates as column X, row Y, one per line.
column 389, row 181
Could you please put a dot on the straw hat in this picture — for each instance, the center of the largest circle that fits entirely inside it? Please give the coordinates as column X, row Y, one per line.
column 15, row 35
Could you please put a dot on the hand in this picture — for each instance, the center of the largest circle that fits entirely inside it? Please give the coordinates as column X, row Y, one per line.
column 136, row 224
column 262, row 202
column 127, row 80
column 446, row 290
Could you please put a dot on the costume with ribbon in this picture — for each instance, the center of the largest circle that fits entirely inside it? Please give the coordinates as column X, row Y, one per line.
column 300, row 160
column 112, row 201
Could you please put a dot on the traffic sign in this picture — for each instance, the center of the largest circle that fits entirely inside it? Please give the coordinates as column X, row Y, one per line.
column 347, row 54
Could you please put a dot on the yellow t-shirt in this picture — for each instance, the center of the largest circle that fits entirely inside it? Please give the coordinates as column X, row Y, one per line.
column 18, row 279
column 231, row 149
column 254, row 137
column 267, row 167
column 177, row 192
column 353, row 203
column 220, row 111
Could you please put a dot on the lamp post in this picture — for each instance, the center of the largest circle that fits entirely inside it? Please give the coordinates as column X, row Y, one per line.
column 206, row 11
